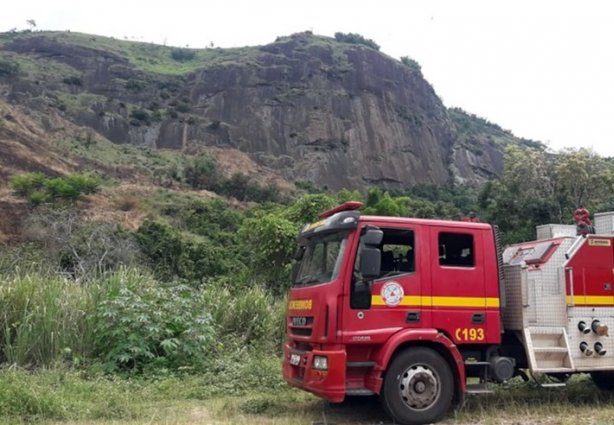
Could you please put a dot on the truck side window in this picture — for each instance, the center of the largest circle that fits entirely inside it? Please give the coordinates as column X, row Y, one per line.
column 456, row 249
column 398, row 253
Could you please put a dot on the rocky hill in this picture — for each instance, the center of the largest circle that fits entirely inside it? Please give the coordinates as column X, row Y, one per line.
column 304, row 107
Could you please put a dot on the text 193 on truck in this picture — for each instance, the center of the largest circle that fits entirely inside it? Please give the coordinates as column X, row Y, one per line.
column 423, row 312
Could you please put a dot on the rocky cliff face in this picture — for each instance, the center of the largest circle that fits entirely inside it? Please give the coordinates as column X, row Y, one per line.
column 310, row 108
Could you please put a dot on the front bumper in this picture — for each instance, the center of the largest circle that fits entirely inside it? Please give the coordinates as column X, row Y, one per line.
column 328, row 384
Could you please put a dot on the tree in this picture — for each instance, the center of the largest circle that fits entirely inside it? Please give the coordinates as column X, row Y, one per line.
column 522, row 197
column 31, row 23
column 582, row 178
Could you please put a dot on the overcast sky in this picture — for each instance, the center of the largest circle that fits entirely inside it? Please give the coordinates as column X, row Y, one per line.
column 543, row 69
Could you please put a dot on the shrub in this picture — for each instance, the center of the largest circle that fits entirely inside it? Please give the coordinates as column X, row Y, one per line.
column 72, row 80
column 183, row 55
column 411, row 63
column 251, row 316
column 354, row 38
column 40, row 188
column 24, row 184
column 83, row 249
column 212, row 219
column 135, row 86
column 140, row 324
column 241, row 187
column 8, row 68
column 140, row 115
column 201, row 173
column 173, row 254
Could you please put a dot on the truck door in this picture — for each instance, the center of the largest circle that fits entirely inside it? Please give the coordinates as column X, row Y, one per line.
column 396, row 294
column 458, row 290
column 590, row 273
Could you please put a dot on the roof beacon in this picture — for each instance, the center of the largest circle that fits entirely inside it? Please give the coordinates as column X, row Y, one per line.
column 346, row 206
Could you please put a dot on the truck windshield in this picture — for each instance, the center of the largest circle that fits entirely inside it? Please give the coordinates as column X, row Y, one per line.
column 321, row 260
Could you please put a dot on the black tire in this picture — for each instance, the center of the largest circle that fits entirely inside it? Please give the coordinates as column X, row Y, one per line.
column 603, row 380
column 430, row 394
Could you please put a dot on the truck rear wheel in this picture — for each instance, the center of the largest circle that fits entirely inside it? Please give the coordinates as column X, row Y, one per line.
column 603, row 380
column 418, row 387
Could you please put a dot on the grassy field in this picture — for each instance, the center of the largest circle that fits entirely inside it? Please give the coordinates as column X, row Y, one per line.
column 61, row 397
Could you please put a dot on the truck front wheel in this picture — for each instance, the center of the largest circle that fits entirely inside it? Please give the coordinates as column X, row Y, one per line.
column 418, row 387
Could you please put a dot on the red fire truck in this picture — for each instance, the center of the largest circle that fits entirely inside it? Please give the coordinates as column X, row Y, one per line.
column 423, row 312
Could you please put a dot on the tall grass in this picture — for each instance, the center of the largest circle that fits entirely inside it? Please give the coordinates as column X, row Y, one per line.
column 127, row 319
column 42, row 319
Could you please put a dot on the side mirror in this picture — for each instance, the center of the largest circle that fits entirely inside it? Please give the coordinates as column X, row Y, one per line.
column 370, row 262
column 372, row 237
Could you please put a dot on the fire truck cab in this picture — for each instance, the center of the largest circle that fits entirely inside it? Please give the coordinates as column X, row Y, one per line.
column 410, row 308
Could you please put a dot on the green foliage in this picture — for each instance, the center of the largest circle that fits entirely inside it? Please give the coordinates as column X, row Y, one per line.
column 353, row 38
column 411, row 63
column 241, row 187
column 201, row 172
column 212, row 219
column 173, row 254
column 141, row 324
column 534, row 189
column 183, row 55
column 39, row 188
column 270, row 240
column 72, row 80
column 381, row 203
column 307, row 208
column 8, row 68
column 25, row 184
column 246, row 315
column 140, row 116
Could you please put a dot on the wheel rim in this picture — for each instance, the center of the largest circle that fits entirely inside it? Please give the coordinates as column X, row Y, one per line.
column 419, row 387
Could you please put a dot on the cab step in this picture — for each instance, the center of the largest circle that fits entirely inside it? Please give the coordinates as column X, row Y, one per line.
column 360, row 364
column 358, row 392
column 481, row 388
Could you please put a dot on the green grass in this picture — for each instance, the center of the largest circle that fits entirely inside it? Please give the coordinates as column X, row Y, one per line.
column 42, row 319
column 146, row 160
column 67, row 397
column 148, row 57
column 38, row 68
column 157, row 59
column 76, row 103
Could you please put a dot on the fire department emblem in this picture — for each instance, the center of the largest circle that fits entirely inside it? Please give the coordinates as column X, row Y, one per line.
column 392, row 293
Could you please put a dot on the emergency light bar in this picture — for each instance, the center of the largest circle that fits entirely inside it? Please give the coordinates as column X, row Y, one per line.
column 346, row 206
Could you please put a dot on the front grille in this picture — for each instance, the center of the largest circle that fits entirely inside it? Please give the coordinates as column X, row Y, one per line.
column 300, row 325
column 300, row 332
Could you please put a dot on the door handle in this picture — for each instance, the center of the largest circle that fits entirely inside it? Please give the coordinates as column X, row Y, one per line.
column 478, row 318
column 412, row 317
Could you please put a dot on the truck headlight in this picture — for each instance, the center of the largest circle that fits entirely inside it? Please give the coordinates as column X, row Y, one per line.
column 320, row 362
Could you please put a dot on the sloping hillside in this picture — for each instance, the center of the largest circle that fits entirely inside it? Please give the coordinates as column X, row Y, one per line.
column 310, row 108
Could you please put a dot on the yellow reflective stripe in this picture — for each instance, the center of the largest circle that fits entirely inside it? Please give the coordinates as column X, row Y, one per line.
column 406, row 300
column 590, row 300
column 416, row 300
